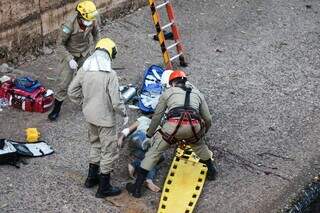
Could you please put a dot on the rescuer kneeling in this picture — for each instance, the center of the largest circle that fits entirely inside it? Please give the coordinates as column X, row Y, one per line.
column 186, row 119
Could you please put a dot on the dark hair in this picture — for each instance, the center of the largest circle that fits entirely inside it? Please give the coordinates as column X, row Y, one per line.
column 181, row 81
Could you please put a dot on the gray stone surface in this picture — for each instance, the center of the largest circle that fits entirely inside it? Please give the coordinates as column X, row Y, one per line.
column 4, row 68
column 257, row 62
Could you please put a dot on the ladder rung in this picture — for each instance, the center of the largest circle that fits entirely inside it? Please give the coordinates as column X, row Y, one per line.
column 167, row 25
column 173, row 45
column 176, row 56
column 161, row 5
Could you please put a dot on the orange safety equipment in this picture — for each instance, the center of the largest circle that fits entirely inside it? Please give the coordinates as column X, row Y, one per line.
column 184, row 115
column 177, row 74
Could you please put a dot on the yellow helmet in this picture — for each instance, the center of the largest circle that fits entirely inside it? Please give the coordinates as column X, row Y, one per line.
column 108, row 45
column 87, row 9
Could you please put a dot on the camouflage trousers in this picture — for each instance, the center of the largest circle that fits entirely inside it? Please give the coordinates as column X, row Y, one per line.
column 65, row 77
column 158, row 146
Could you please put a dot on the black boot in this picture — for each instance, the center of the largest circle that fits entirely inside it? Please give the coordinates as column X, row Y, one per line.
column 54, row 114
column 135, row 188
column 212, row 172
column 93, row 176
column 105, row 189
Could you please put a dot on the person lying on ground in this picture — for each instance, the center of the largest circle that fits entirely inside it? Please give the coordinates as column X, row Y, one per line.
column 138, row 142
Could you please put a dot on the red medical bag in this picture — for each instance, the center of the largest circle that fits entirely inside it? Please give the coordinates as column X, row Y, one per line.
column 38, row 100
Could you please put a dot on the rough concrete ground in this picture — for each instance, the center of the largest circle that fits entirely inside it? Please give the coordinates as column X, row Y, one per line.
column 257, row 63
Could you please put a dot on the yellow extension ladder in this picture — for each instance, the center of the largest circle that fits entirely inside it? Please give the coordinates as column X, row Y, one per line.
column 175, row 31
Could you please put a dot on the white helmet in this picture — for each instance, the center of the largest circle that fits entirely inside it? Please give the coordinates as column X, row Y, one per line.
column 165, row 79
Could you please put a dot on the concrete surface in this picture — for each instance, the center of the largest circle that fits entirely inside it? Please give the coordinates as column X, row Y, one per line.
column 257, row 63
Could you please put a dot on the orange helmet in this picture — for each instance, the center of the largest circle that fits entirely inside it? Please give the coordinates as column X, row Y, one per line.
column 177, row 74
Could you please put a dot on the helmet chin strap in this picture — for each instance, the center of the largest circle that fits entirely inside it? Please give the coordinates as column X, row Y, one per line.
column 82, row 26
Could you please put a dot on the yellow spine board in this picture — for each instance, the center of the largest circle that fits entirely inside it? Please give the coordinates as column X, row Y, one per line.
column 183, row 184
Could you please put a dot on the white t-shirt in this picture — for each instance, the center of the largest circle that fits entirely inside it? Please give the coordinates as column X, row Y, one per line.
column 144, row 123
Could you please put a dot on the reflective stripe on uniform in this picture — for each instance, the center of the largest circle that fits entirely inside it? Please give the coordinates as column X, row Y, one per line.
column 183, row 122
column 66, row 29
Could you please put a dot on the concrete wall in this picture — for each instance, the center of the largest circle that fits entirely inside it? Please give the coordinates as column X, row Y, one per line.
column 25, row 25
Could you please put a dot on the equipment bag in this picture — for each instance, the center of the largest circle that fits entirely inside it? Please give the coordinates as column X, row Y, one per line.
column 6, row 89
column 40, row 100
column 151, row 89
column 26, row 94
column 8, row 153
column 26, row 84
column 37, row 149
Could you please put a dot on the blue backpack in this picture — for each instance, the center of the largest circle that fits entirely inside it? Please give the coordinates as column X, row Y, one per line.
column 26, row 84
column 151, row 89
